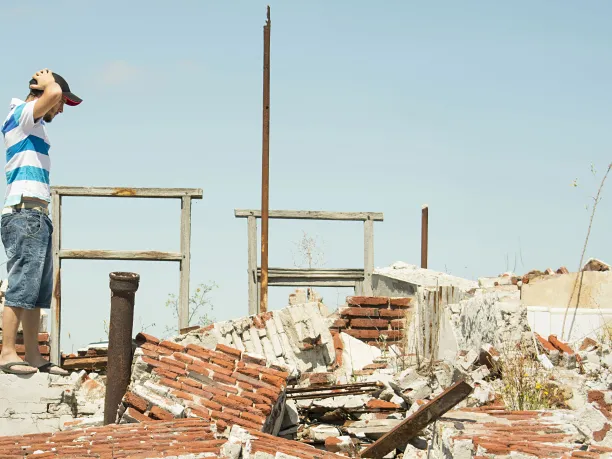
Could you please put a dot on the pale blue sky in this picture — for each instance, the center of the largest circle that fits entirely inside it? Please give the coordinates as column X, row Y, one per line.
column 484, row 110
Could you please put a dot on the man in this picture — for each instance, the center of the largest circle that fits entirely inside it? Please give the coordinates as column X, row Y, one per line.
column 25, row 225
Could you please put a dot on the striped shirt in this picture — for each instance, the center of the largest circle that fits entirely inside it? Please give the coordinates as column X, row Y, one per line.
column 27, row 154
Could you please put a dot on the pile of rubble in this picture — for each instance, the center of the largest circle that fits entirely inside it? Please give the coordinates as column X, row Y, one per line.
column 452, row 370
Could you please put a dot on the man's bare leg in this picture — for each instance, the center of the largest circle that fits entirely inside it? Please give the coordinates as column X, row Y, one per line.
column 10, row 324
column 31, row 324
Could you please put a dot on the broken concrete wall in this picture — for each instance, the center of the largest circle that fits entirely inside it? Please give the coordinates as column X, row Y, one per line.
column 493, row 318
column 47, row 403
column 296, row 336
column 420, row 277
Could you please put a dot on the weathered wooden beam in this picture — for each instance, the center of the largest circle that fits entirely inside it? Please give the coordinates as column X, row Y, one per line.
column 311, row 215
column 368, row 256
column 183, row 312
column 126, row 192
column 411, row 426
column 283, row 282
column 135, row 255
column 252, row 266
column 351, row 274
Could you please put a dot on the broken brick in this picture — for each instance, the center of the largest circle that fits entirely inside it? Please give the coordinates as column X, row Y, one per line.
column 359, row 312
column 234, row 353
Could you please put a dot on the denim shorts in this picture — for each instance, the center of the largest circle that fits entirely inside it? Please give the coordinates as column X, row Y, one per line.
column 26, row 235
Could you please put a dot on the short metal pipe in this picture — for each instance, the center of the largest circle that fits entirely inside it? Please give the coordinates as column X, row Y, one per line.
column 123, row 288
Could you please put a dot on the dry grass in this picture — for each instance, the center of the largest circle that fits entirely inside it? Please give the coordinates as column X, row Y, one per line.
column 525, row 383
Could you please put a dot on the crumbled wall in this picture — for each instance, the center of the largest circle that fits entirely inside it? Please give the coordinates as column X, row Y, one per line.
column 45, row 403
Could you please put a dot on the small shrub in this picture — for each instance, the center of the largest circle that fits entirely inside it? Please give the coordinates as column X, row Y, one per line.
column 525, row 383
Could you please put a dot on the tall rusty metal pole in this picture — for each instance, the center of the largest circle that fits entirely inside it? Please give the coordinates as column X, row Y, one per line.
column 123, row 289
column 265, row 168
column 424, row 235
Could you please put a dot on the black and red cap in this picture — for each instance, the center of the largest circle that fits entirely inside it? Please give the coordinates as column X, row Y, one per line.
column 71, row 99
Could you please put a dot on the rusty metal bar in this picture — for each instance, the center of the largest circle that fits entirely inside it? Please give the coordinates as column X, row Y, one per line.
column 123, row 289
column 265, row 167
column 424, row 235
column 302, row 390
column 412, row 425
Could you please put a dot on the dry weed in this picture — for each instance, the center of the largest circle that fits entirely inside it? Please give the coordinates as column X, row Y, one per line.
column 525, row 383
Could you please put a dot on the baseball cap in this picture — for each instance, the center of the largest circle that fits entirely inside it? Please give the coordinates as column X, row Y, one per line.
column 71, row 99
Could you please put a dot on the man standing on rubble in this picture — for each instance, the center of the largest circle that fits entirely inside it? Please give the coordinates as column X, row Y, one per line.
column 25, row 225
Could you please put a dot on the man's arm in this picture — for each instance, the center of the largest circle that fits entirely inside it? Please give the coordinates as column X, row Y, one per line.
column 52, row 93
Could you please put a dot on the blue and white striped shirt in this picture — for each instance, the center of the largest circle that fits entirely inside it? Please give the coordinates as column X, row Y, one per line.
column 27, row 154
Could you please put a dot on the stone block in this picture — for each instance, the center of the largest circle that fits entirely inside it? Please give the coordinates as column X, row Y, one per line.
column 321, row 432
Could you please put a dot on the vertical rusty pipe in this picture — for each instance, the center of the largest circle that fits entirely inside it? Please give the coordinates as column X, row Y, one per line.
column 123, row 289
column 265, row 167
column 424, row 235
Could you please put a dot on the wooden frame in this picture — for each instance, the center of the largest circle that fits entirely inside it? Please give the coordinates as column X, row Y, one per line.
column 359, row 279
column 59, row 254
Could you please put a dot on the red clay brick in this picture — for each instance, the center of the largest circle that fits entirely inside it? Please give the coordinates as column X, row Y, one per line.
column 263, row 369
column 358, row 312
column 560, row 345
column 182, row 395
column 190, row 382
column 211, row 404
column 131, row 412
column 135, row 401
column 252, row 417
column 248, row 358
column 200, row 412
column 587, row 343
column 223, row 363
column 358, row 333
column 368, row 301
column 217, row 368
column 220, row 415
column 247, row 423
column 245, row 386
column 145, row 338
column 394, row 313
column 381, row 404
column 398, row 323
column 199, row 392
column 159, row 413
column 256, row 398
column 274, row 380
column 172, row 346
column 230, row 411
column 401, row 302
column 545, row 343
column 249, row 372
column 206, row 353
column 173, row 362
column 233, row 404
column 271, row 394
column 182, row 357
column 223, row 378
column 370, row 323
column 234, row 353
column 171, row 383
column 242, row 400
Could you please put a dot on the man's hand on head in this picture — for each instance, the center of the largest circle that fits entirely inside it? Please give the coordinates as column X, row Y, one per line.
column 43, row 78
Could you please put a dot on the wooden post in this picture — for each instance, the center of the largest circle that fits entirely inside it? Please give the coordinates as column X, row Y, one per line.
column 265, row 179
column 424, row 235
column 252, row 265
column 56, row 301
column 185, row 262
column 368, row 255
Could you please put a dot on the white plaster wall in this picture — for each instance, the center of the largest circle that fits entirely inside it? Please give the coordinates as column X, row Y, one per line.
column 588, row 322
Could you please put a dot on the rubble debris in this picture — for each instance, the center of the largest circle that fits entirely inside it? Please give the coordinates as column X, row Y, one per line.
column 596, row 265
column 295, row 337
column 411, row 426
column 226, row 385
column 48, row 403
